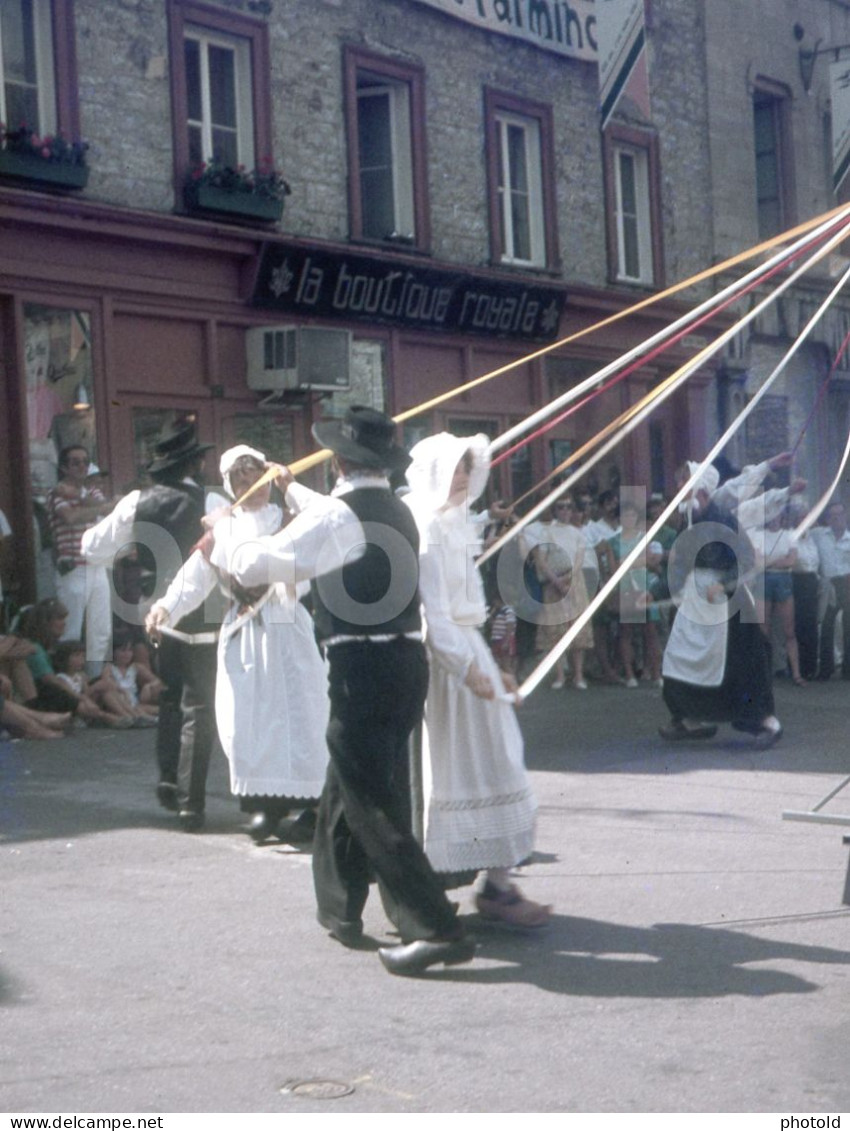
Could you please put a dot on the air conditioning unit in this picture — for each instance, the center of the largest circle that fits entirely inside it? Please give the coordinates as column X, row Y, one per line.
column 298, row 357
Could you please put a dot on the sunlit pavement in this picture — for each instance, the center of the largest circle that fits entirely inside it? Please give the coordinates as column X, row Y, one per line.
column 698, row 958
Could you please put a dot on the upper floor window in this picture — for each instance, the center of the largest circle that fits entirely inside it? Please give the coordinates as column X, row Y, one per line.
column 520, row 163
column 633, row 206
column 220, row 87
column 218, row 95
column 37, row 66
column 774, row 184
column 386, row 145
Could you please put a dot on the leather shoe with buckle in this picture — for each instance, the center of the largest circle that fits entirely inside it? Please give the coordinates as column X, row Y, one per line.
column 414, row 958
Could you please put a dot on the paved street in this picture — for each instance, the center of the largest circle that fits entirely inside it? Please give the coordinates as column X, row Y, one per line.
column 699, row 958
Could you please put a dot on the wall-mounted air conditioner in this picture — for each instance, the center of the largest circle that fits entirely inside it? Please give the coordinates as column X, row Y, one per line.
column 298, row 357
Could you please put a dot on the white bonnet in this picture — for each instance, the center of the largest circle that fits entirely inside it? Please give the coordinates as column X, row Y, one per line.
column 709, row 480
column 433, row 464
column 229, row 459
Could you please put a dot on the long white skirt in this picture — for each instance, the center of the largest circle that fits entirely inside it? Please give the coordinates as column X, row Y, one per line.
column 479, row 807
column 271, row 704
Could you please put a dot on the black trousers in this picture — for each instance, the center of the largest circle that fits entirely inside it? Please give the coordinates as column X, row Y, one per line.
column 186, row 732
column 827, row 630
column 377, row 692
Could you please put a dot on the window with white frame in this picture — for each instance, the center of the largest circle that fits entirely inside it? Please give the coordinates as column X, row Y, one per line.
column 218, row 98
column 519, row 188
column 385, row 158
column 385, row 126
column 632, row 213
column 520, row 155
column 27, row 92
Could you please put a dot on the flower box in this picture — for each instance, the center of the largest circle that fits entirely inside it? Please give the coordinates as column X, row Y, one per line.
column 232, row 202
column 40, row 171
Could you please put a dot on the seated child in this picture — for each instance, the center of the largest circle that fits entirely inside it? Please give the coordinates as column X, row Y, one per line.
column 131, row 686
column 57, row 689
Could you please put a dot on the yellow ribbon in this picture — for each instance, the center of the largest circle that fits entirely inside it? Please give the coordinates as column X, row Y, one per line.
column 319, row 457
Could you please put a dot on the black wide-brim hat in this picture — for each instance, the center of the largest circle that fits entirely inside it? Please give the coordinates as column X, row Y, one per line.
column 364, row 436
column 177, row 444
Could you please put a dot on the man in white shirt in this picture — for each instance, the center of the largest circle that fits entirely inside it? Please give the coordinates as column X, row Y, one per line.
column 833, row 543
column 360, row 550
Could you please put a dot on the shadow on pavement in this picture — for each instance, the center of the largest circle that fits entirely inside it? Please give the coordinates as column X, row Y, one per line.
column 589, row 957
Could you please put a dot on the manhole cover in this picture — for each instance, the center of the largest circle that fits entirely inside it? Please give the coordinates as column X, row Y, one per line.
column 317, row 1089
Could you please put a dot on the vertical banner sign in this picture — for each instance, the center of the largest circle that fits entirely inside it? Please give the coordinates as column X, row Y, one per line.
column 621, row 36
column 839, row 88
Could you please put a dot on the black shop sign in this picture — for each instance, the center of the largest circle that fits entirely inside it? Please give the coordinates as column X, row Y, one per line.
column 323, row 284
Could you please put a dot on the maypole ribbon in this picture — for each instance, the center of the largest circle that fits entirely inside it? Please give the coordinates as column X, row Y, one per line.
column 563, row 644
column 824, row 220
column 786, row 255
column 632, row 416
column 734, row 294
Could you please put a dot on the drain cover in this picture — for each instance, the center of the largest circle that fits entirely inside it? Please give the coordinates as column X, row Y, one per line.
column 317, row 1089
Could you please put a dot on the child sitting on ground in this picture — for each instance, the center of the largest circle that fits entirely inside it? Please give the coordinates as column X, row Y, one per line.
column 43, row 624
column 69, row 662
column 131, row 685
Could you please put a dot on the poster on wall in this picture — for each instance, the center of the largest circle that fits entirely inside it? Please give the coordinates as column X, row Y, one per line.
column 59, row 389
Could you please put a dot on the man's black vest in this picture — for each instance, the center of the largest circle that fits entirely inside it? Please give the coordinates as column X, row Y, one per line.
column 177, row 509
column 378, row 594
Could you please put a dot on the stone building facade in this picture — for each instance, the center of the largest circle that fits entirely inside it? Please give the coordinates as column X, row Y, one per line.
column 453, row 210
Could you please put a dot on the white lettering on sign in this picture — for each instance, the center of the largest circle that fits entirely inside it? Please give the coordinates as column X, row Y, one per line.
column 567, row 27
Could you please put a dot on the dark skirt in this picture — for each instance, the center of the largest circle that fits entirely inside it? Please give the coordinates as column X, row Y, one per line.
column 744, row 698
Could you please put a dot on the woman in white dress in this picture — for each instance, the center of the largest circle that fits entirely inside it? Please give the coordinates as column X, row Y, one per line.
column 271, row 702
column 480, row 810
column 559, row 558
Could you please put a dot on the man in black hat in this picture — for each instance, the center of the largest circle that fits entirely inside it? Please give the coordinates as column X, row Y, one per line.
column 360, row 549
column 164, row 521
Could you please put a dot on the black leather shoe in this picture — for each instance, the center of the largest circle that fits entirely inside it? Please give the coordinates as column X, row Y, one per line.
column 414, row 958
column 347, row 931
column 166, row 795
column 190, row 820
column 261, row 828
column 298, row 831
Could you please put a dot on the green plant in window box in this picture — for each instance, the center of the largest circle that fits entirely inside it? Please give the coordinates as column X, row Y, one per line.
column 48, row 160
column 256, row 194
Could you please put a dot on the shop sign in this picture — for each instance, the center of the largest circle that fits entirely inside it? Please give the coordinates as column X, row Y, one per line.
column 324, row 284
column 567, row 27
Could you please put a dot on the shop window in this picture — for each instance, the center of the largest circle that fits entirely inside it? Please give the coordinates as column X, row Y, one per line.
column 59, row 388
column 774, row 179
column 148, row 424
column 386, row 146
column 520, row 174
column 220, row 88
column 37, row 64
column 633, row 206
